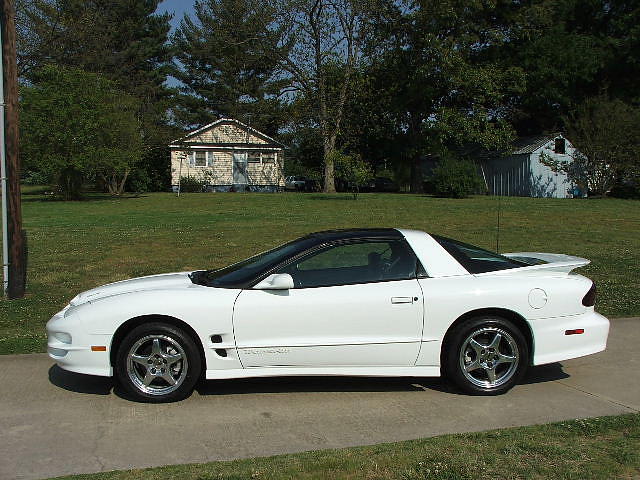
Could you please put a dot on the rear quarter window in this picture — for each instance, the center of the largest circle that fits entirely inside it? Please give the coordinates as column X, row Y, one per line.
column 475, row 259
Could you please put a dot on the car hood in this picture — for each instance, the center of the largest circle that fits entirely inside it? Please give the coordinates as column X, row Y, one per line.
column 153, row 282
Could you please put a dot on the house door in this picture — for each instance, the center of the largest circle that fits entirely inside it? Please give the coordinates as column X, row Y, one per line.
column 240, row 176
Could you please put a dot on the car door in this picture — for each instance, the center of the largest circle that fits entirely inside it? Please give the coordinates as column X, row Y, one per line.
column 355, row 303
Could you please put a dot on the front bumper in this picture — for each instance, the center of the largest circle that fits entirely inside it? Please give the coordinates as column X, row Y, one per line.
column 69, row 346
column 551, row 344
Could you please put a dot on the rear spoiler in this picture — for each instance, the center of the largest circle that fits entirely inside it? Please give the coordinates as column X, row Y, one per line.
column 553, row 262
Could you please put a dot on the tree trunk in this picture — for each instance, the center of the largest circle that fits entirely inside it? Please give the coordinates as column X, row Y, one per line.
column 417, row 184
column 124, row 179
column 329, row 149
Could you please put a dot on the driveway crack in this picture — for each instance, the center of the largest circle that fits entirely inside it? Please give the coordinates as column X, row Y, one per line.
column 600, row 397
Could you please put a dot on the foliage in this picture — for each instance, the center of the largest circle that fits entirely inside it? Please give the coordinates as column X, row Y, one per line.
column 456, row 178
column 224, row 65
column 78, row 126
column 124, row 41
column 192, row 184
column 153, row 172
column 35, row 178
column 388, row 80
column 352, row 170
column 121, row 40
column 439, row 91
column 318, row 47
column 606, row 136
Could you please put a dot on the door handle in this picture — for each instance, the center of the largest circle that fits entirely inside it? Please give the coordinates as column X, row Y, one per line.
column 401, row 299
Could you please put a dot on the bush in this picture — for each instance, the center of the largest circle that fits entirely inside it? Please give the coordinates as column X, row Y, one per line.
column 351, row 171
column 456, row 178
column 192, row 185
column 35, row 178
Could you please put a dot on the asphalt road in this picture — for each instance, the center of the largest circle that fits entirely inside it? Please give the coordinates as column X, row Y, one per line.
column 57, row 423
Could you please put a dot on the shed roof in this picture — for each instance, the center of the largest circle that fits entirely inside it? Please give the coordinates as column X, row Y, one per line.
column 526, row 145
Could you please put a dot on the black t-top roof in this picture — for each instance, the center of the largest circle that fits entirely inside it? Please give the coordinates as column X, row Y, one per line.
column 345, row 234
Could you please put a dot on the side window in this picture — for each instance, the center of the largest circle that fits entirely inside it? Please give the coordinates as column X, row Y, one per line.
column 351, row 263
column 201, row 159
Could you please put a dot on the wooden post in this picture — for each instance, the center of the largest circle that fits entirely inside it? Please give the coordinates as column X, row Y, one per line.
column 16, row 236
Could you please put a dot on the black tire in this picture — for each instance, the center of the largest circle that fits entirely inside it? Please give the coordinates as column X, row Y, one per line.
column 150, row 356
column 474, row 350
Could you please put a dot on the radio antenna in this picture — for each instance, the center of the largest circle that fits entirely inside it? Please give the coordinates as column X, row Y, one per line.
column 498, row 229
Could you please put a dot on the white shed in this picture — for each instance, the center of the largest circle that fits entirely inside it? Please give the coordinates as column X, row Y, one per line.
column 523, row 173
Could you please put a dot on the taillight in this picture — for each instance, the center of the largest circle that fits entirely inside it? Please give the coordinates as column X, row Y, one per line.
column 589, row 299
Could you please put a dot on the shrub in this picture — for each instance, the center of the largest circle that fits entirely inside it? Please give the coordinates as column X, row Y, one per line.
column 35, row 178
column 192, row 185
column 456, row 178
column 352, row 171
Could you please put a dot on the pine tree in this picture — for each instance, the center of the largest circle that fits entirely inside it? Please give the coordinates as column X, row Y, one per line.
column 221, row 61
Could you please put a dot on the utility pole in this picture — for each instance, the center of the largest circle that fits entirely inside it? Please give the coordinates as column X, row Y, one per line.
column 14, row 239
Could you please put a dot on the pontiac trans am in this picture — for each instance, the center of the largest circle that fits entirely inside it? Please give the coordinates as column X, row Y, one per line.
column 362, row 302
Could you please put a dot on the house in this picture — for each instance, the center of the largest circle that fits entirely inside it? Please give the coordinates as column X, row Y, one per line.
column 524, row 173
column 228, row 156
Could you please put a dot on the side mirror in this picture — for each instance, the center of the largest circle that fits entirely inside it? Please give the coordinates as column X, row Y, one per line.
column 277, row 281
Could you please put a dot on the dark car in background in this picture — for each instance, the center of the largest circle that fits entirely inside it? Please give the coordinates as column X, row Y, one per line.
column 381, row 184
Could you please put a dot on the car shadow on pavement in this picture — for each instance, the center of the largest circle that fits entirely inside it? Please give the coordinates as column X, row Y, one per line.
column 318, row 384
column 79, row 383
column 94, row 385
column 544, row 373
column 539, row 374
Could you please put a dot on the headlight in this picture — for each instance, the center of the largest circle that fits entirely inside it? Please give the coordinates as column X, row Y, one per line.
column 62, row 336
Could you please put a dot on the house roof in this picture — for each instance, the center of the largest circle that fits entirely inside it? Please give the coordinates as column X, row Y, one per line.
column 229, row 120
column 526, row 145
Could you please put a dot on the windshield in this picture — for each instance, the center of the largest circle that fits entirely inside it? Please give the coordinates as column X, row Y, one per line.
column 475, row 259
column 240, row 274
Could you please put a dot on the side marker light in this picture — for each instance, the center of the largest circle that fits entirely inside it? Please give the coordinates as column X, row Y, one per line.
column 575, row 331
column 98, row 348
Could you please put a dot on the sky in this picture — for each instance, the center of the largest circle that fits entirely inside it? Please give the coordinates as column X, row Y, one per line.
column 178, row 8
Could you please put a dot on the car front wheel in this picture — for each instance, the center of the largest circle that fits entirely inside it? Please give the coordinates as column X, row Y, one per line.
column 486, row 356
column 157, row 362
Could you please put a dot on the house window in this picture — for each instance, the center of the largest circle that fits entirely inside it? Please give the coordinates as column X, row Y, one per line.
column 200, row 159
column 268, row 158
column 560, row 146
column 253, row 157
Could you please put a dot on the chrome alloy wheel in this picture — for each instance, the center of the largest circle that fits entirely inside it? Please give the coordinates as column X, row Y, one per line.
column 489, row 357
column 157, row 364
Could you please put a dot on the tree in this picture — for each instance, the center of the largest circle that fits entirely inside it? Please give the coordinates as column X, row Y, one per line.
column 122, row 40
column 77, row 126
column 221, row 60
column 606, row 135
column 438, row 82
column 318, row 48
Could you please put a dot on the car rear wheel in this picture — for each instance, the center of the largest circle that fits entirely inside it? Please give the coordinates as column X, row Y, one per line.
column 486, row 356
column 157, row 362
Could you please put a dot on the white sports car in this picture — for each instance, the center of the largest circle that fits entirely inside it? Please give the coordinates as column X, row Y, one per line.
column 371, row 302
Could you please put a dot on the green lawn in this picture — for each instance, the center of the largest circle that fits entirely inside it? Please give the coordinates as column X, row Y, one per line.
column 78, row 245
column 597, row 448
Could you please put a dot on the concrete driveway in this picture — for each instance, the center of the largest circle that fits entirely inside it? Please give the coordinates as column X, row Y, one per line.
column 56, row 423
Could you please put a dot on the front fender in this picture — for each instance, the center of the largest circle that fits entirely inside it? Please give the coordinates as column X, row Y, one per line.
column 207, row 310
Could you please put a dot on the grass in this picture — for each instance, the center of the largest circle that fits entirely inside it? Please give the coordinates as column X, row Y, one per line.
column 74, row 246
column 597, row 448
